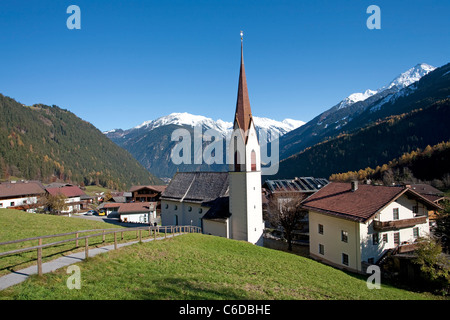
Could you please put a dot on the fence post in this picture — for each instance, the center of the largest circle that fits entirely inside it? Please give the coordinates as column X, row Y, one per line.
column 86, row 247
column 165, row 232
column 103, row 235
column 76, row 241
column 39, row 258
column 121, row 235
column 115, row 240
column 154, row 234
column 140, row 235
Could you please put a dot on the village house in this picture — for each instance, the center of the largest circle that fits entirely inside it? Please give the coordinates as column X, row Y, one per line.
column 21, row 195
column 432, row 194
column 137, row 212
column 73, row 196
column 352, row 226
column 150, row 193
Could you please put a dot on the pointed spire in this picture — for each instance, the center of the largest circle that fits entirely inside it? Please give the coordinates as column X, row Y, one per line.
column 243, row 111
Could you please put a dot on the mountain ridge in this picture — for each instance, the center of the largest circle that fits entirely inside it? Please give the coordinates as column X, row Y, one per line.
column 341, row 117
column 50, row 144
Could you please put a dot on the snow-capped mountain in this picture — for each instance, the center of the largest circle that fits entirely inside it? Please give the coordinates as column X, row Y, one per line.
column 272, row 127
column 342, row 116
column 400, row 82
column 150, row 142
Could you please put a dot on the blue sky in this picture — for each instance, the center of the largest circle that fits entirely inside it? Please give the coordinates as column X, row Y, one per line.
column 138, row 60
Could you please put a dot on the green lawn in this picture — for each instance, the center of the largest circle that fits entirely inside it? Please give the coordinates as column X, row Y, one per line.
column 196, row 266
column 15, row 224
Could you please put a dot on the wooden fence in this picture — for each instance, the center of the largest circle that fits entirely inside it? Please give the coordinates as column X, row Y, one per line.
column 152, row 231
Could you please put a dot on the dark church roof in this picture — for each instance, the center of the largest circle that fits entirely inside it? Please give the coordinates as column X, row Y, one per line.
column 197, row 187
column 219, row 208
column 303, row 184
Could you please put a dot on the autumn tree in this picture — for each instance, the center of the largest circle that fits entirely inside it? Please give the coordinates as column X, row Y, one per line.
column 284, row 211
column 55, row 203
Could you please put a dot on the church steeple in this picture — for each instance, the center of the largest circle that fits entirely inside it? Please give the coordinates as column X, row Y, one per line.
column 245, row 170
column 243, row 114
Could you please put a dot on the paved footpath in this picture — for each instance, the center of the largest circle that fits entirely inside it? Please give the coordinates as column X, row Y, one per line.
column 19, row 276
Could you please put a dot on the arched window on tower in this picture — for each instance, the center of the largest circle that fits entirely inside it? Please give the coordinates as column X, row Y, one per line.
column 237, row 165
column 237, row 160
column 253, row 157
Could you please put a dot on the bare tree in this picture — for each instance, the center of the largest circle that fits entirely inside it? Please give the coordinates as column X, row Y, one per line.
column 284, row 210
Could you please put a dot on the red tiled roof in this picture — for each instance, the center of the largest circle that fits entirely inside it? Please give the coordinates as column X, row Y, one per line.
column 134, row 207
column 338, row 199
column 68, row 191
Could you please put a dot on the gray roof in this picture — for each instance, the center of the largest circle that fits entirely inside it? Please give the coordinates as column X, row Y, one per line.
column 303, row 184
column 196, row 186
column 219, row 209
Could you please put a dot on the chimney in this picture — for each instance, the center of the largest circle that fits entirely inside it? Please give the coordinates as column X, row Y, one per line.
column 354, row 185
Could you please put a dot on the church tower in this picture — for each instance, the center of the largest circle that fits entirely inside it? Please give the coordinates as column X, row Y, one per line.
column 245, row 170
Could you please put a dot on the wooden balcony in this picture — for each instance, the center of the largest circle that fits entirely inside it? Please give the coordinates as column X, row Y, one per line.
column 398, row 224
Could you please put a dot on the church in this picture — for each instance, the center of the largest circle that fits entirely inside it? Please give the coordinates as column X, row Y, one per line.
column 227, row 204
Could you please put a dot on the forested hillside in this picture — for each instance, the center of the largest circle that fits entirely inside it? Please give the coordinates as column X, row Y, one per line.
column 431, row 164
column 52, row 144
column 373, row 145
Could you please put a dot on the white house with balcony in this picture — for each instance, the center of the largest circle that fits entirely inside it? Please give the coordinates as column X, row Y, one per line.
column 351, row 226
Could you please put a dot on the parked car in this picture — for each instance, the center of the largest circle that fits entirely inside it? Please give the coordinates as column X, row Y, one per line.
column 90, row 213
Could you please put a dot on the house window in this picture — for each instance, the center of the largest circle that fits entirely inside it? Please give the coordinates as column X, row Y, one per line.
column 200, row 210
column 1, row 205
column 175, row 207
column 385, row 238
column 416, row 232
column 321, row 228
column 189, row 208
column 321, row 249
column 415, row 209
column 375, row 238
column 167, row 206
column 11, row 204
column 397, row 238
column 176, row 220
column 395, row 213
column 344, row 236
column 345, row 259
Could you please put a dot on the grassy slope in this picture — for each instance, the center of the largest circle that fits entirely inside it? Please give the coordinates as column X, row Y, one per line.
column 196, row 266
column 16, row 224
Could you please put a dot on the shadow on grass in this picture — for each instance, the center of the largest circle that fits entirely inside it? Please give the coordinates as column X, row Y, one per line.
column 187, row 289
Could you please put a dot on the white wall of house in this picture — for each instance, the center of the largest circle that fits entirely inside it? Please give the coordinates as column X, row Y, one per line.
column 331, row 240
column 13, row 202
column 140, row 217
column 71, row 207
column 404, row 206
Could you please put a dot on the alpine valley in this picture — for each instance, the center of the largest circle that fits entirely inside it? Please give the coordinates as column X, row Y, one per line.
column 408, row 112
column 151, row 144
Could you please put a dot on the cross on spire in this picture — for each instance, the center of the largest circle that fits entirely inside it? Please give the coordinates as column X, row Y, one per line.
column 243, row 111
